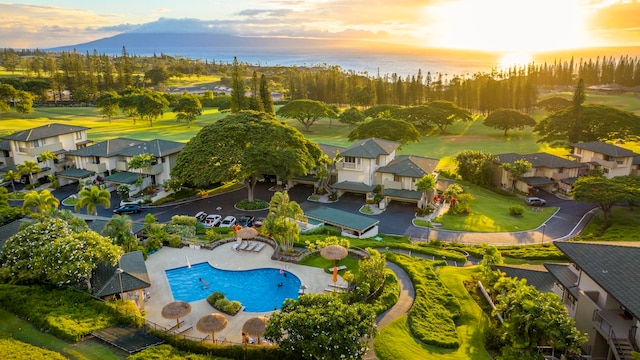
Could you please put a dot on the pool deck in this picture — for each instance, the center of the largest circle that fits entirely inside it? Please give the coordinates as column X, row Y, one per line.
column 222, row 257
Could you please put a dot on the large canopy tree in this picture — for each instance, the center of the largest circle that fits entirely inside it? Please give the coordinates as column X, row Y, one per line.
column 243, row 147
column 604, row 193
column 322, row 326
column 507, row 119
column 386, row 128
column 448, row 113
column 307, row 112
column 474, row 166
column 108, row 104
column 188, row 108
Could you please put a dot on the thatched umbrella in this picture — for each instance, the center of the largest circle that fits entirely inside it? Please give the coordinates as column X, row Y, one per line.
column 176, row 310
column 212, row 323
column 247, row 233
column 334, row 252
column 255, row 326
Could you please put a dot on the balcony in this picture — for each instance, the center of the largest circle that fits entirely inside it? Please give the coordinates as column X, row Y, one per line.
column 154, row 169
column 348, row 166
column 97, row 168
column 40, row 149
column 618, row 329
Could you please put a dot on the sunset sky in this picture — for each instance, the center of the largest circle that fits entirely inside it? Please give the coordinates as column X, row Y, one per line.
column 513, row 26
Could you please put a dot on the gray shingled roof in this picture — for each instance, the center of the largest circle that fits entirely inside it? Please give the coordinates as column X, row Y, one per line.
column 371, row 148
column 605, row 148
column 330, row 150
column 410, row 166
column 538, row 160
column 130, row 147
column 122, row 177
column 536, row 277
column 537, row 181
column 565, row 276
column 339, row 218
column 615, row 268
column 106, row 280
column 5, row 145
column 75, row 173
column 43, row 132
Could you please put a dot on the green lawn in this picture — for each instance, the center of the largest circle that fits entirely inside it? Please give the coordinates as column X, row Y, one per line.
column 395, row 342
column 318, row 261
column 490, row 213
column 624, row 226
column 23, row 331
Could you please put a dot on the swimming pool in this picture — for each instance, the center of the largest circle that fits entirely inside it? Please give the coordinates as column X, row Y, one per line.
column 257, row 290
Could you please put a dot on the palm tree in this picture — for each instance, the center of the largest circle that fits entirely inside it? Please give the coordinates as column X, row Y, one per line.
column 13, row 177
column 92, row 198
column 119, row 228
column 426, row 184
column 42, row 201
column 281, row 219
column 46, row 157
column 29, row 167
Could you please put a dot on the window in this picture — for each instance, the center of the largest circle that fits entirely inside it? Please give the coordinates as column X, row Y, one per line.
column 578, row 151
column 78, row 135
column 36, row 143
column 397, row 178
column 350, row 159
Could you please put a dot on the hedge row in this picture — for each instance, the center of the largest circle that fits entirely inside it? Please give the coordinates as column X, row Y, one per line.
column 67, row 314
column 226, row 351
column 18, row 350
column 434, row 311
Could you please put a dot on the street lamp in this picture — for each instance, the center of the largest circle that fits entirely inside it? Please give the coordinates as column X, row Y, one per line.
column 544, row 227
column 119, row 271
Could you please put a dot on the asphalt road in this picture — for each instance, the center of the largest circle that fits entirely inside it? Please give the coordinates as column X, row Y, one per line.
column 395, row 220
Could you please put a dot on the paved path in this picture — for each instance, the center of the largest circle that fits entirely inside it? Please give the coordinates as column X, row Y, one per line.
column 405, row 301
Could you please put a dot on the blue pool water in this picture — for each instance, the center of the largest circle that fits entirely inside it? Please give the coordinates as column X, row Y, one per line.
column 257, row 290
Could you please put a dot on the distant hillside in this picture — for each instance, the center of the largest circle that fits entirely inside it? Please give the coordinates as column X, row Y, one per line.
column 146, row 43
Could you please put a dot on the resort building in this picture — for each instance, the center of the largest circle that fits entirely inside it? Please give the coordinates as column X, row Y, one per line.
column 371, row 165
column 600, row 290
column 108, row 162
column 613, row 160
column 28, row 145
column 548, row 172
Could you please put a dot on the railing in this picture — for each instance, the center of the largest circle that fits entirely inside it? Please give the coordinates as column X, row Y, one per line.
column 632, row 338
column 607, row 330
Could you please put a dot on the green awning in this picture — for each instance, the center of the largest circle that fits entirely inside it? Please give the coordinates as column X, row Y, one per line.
column 403, row 194
column 123, row 177
column 75, row 173
column 338, row 218
column 353, row 186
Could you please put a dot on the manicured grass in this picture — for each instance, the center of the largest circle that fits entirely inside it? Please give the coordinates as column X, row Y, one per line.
column 24, row 331
column 395, row 341
column 318, row 261
column 490, row 213
column 625, row 223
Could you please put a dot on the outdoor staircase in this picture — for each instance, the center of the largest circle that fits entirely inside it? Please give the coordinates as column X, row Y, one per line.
column 622, row 349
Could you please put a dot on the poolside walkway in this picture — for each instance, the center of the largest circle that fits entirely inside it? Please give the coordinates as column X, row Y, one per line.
column 222, row 257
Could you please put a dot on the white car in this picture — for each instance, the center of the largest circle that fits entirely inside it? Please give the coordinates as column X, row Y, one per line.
column 228, row 221
column 201, row 215
column 212, row 220
column 535, row 201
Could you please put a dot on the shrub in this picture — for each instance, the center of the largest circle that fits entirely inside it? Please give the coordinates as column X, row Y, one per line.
column 324, row 230
column 184, row 220
column 221, row 303
column 175, row 241
column 15, row 349
column 252, row 205
column 516, row 210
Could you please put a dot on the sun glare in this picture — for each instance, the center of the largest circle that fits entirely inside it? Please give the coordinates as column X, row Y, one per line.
column 514, row 59
column 508, row 25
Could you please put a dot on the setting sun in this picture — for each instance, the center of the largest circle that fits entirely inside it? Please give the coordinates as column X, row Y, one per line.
column 509, row 25
column 514, row 59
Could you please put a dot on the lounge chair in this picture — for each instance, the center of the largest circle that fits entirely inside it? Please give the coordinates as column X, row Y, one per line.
column 340, row 268
column 251, row 246
column 181, row 329
column 205, row 337
column 339, row 286
column 244, row 245
column 259, row 247
column 172, row 325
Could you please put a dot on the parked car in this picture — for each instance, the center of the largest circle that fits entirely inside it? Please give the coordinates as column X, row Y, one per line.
column 228, row 221
column 535, row 201
column 246, row 220
column 201, row 215
column 127, row 209
column 212, row 220
column 258, row 221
